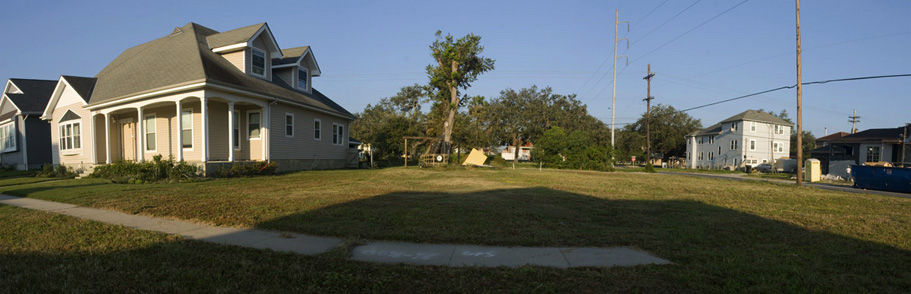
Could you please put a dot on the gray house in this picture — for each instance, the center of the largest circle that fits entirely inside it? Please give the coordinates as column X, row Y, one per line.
column 25, row 139
column 751, row 137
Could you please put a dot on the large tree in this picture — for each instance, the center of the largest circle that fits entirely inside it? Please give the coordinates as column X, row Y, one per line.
column 808, row 140
column 458, row 64
column 668, row 128
column 383, row 125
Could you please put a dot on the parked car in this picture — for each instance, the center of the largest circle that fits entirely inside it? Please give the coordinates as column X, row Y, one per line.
column 765, row 167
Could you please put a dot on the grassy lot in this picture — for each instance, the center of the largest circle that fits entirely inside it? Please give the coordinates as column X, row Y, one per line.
column 721, row 235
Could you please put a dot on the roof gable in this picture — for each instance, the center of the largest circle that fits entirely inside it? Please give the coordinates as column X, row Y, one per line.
column 232, row 40
column 296, row 55
column 760, row 116
column 69, row 115
column 30, row 95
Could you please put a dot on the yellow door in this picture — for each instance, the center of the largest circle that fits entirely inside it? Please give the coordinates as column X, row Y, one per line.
column 127, row 142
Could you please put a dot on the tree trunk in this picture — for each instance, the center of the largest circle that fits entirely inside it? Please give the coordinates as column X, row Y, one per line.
column 515, row 151
column 453, row 105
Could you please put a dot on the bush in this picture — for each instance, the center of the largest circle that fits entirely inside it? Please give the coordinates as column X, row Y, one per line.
column 496, row 161
column 575, row 150
column 157, row 170
column 246, row 170
column 60, row 171
column 649, row 168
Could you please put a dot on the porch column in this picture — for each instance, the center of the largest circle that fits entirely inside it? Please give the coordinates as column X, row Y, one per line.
column 231, row 131
column 264, row 131
column 205, row 129
column 140, row 138
column 107, row 136
column 179, row 131
column 94, row 138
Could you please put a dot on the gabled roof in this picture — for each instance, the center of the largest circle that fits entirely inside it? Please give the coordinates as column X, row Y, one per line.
column 184, row 58
column 244, row 35
column 296, row 55
column 759, row 116
column 82, row 85
column 832, row 136
column 35, row 94
column 712, row 130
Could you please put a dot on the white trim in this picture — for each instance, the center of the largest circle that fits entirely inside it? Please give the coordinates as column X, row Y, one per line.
column 192, row 131
column 306, row 79
column 239, row 136
column 12, row 129
column 287, row 114
column 5, row 100
column 752, row 126
column 249, row 112
column 55, row 97
column 752, row 145
column 138, row 97
column 338, row 131
column 7, row 86
column 230, row 48
column 145, row 132
column 70, row 151
column 277, row 51
column 320, row 129
column 253, row 51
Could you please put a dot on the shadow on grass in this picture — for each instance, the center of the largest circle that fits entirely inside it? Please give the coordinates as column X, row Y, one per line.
column 714, row 248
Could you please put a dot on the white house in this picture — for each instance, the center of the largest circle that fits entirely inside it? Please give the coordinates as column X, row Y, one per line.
column 749, row 138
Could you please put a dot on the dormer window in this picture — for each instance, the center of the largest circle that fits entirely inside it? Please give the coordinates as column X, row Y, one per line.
column 302, row 78
column 259, row 62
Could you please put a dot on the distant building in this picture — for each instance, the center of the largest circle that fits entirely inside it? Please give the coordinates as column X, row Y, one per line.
column 509, row 152
column 840, row 150
column 749, row 138
column 25, row 139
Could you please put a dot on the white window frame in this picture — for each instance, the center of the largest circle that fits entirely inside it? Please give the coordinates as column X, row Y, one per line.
column 752, row 145
column 61, row 136
column 335, row 135
column 192, row 131
column 145, row 129
column 752, row 126
column 8, row 132
column 287, row 115
column 249, row 112
column 317, row 130
column 253, row 51
column 711, row 156
column 306, row 78
column 870, row 151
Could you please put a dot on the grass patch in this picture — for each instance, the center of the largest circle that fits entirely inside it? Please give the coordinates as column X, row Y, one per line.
column 12, row 173
column 722, row 235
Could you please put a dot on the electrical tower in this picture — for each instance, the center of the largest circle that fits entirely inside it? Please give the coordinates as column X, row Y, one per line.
column 854, row 119
column 648, row 114
column 613, row 105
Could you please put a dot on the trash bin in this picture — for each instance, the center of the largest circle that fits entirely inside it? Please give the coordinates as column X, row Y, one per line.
column 749, row 169
column 813, row 171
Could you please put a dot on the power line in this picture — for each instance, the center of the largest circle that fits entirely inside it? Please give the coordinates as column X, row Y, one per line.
column 650, row 12
column 691, row 30
column 667, row 21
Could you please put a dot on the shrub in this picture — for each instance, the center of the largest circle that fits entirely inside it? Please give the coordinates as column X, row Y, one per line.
column 59, row 171
column 157, row 170
column 575, row 150
column 649, row 168
column 246, row 170
column 496, row 161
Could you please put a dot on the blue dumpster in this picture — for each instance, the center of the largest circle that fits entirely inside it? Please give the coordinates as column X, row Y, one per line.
column 882, row 178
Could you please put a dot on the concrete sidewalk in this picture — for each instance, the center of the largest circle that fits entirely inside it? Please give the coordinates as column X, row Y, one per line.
column 385, row 252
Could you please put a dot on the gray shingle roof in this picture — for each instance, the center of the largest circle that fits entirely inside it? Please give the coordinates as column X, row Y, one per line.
column 35, row 94
column 760, row 116
column 82, row 85
column 185, row 58
column 712, row 130
column 232, row 37
column 294, row 52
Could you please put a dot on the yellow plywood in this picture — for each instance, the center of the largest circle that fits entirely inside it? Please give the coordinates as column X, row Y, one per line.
column 476, row 158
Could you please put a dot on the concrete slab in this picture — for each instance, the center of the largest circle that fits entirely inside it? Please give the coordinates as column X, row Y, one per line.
column 168, row 226
column 606, row 257
column 81, row 212
column 119, row 218
column 466, row 255
column 34, row 203
column 297, row 243
column 391, row 252
column 240, row 238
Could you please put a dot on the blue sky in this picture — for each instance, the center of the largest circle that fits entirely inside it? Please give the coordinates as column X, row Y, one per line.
column 369, row 49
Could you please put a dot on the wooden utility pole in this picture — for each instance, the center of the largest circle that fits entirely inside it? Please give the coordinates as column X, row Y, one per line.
column 799, row 108
column 613, row 105
column 854, row 119
column 648, row 115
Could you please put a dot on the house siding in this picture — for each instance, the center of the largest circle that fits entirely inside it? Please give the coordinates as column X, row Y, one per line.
column 38, row 141
column 258, row 43
column 165, row 138
column 302, row 145
column 764, row 137
column 218, row 131
column 82, row 159
column 286, row 74
column 236, row 58
column 14, row 158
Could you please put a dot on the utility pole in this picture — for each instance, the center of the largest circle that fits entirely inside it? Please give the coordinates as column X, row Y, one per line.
column 648, row 115
column 613, row 105
column 799, row 108
column 854, row 119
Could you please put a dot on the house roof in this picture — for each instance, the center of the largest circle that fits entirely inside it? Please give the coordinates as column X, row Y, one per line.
column 184, row 57
column 712, row 130
column 892, row 135
column 35, row 94
column 756, row 115
column 825, row 149
column 832, row 136
column 82, row 85
column 241, row 35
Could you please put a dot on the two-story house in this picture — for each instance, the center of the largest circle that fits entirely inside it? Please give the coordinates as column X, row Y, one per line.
column 749, row 138
column 205, row 97
column 24, row 137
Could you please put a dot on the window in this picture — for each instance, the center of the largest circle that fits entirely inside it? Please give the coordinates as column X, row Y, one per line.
column 316, row 130
column 752, row 126
column 712, row 140
column 711, row 156
column 259, row 62
column 8, row 137
column 873, row 154
column 70, row 137
column 337, row 132
column 733, row 144
column 701, row 155
column 777, row 147
column 289, row 125
column 734, row 126
column 719, row 150
column 236, row 130
column 752, row 144
column 253, row 123
column 302, row 78
column 149, row 125
column 186, row 127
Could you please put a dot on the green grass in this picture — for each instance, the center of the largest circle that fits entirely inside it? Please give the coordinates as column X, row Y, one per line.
column 779, row 176
column 723, row 236
column 16, row 173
